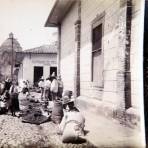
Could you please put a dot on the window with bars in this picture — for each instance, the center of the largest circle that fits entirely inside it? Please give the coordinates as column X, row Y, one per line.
column 97, row 57
column 97, row 38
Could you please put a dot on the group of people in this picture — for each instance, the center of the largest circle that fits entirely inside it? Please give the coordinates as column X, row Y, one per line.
column 72, row 124
column 51, row 88
column 9, row 95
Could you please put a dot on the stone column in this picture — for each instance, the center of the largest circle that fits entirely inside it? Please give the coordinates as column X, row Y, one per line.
column 123, row 75
column 77, row 52
column 127, row 55
column 59, row 51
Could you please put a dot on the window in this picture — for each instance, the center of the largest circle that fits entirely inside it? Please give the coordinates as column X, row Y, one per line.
column 97, row 55
column 97, row 38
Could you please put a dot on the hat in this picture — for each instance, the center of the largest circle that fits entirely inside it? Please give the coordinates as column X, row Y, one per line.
column 68, row 93
column 67, row 100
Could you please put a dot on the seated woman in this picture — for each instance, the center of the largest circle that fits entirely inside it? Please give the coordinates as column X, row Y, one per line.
column 72, row 124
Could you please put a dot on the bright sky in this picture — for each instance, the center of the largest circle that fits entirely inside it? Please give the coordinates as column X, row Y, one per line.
column 26, row 19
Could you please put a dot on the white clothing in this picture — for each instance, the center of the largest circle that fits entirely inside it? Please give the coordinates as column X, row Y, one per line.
column 47, row 84
column 41, row 84
column 54, row 86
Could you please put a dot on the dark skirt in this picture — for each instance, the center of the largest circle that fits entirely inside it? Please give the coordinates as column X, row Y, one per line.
column 14, row 105
column 60, row 92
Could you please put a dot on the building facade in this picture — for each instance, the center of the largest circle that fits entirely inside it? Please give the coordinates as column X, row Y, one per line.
column 38, row 62
column 99, row 53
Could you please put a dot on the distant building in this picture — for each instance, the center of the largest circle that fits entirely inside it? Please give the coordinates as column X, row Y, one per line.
column 100, row 54
column 6, row 57
column 38, row 62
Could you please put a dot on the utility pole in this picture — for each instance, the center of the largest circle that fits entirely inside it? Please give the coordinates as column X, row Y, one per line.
column 12, row 53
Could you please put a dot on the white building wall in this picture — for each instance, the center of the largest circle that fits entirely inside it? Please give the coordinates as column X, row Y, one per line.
column 44, row 60
column 89, row 10
column 27, row 69
column 136, row 52
column 67, row 48
column 114, row 41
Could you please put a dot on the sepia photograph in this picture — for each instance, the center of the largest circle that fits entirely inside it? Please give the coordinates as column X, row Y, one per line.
column 73, row 73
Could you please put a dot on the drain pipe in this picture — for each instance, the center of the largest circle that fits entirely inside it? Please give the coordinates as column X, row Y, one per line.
column 127, row 75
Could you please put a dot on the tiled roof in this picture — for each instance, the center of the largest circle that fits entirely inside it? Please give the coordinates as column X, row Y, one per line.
column 43, row 49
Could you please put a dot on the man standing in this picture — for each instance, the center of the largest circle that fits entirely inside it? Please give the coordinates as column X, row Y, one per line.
column 47, row 89
column 54, row 87
column 41, row 86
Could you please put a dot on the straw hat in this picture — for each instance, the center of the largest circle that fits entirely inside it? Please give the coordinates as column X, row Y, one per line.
column 67, row 100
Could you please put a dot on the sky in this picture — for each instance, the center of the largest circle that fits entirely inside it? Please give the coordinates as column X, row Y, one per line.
column 26, row 20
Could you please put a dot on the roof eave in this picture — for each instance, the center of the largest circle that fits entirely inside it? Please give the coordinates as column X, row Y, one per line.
column 23, row 52
column 58, row 12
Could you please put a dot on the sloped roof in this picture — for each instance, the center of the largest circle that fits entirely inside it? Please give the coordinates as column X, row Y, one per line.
column 7, row 45
column 58, row 12
column 43, row 49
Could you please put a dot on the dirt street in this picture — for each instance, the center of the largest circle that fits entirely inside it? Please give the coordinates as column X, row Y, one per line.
column 15, row 133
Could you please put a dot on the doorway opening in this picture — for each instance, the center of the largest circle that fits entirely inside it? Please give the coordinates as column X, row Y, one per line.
column 38, row 73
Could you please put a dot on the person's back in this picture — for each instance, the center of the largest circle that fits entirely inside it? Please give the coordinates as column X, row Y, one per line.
column 47, row 84
column 41, row 84
column 54, row 86
column 73, row 128
column 73, row 122
column 75, row 116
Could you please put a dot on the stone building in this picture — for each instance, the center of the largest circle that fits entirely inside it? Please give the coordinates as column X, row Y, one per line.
column 38, row 62
column 99, row 53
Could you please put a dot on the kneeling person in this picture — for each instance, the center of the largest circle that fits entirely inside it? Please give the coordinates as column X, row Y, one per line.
column 73, row 122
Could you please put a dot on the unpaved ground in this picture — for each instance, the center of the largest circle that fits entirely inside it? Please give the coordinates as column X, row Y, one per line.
column 103, row 132
column 15, row 133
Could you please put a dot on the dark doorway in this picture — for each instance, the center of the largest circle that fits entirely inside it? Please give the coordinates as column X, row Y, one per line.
column 38, row 73
column 146, row 69
column 53, row 69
